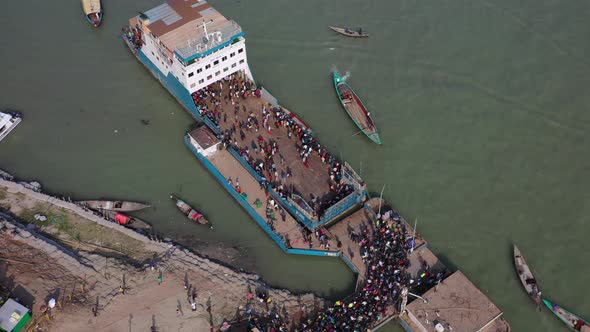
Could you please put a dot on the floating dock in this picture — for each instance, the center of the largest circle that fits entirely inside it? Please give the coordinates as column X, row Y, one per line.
column 306, row 200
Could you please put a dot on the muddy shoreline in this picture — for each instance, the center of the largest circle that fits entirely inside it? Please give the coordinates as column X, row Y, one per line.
column 104, row 256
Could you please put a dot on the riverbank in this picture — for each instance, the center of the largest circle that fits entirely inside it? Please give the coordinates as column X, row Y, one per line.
column 92, row 265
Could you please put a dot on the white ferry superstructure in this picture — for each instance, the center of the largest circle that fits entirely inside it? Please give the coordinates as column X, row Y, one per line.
column 189, row 42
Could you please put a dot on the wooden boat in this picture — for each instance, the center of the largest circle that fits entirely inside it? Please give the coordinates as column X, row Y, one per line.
column 125, row 220
column 355, row 109
column 349, row 32
column 573, row 321
column 191, row 213
column 93, row 11
column 117, row 206
column 526, row 277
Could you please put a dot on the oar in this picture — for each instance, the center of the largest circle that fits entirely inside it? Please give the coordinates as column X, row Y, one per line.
column 358, row 132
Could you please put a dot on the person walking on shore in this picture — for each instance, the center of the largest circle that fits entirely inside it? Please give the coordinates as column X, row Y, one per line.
column 160, row 278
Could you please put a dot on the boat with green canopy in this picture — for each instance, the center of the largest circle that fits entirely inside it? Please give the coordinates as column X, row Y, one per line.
column 573, row 321
column 355, row 108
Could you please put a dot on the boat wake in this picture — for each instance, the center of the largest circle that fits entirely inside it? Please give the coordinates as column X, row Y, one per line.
column 344, row 77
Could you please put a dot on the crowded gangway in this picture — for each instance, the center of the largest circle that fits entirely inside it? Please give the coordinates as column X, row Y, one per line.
column 277, row 146
column 385, row 247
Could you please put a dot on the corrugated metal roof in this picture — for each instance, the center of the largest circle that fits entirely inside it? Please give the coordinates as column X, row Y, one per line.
column 208, row 11
column 179, row 25
column 7, row 310
column 163, row 12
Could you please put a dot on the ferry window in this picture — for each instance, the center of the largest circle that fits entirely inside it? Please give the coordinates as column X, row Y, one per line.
column 217, row 73
column 158, row 58
column 241, row 61
column 216, row 62
column 191, row 74
column 225, row 69
column 209, row 77
column 224, row 58
column 234, row 65
column 193, row 85
column 232, row 54
column 153, row 53
column 201, row 81
column 207, row 66
column 199, row 70
column 240, row 50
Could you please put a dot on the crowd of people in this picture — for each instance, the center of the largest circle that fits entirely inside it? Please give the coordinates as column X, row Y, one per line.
column 384, row 249
column 264, row 154
column 133, row 35
column 384, row 246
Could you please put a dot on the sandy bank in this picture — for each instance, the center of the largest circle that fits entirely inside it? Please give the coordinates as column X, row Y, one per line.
column 83, row 260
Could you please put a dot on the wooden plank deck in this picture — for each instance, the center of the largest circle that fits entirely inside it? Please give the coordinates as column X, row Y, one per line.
column 309, row 182
column 289, row 229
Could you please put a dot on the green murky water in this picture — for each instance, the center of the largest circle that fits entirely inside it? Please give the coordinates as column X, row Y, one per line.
column 482, row 105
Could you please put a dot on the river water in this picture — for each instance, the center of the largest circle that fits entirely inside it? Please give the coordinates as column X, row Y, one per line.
column 483, row 108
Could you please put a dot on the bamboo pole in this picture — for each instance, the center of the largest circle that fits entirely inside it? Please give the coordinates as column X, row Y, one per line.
column 15, row 261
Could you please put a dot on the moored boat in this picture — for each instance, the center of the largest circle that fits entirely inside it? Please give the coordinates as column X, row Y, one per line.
column 8, row 121
column 526, row 277
column 191, row 213
column 573, row 321
column 93, row 11
column 117, row 206
column 125, row 220
column 349, row 32
column 355, row 108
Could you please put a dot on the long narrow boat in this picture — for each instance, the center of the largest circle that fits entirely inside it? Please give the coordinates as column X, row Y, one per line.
column 93, row 11
column 573, row 321
column 526, row 277
column 125, row 220
column 349, row 32
column 117, row 206
column 355, row 108
column 191, row 213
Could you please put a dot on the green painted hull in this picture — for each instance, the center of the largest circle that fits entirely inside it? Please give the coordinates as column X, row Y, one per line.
column 567, row 321
column 373, row 136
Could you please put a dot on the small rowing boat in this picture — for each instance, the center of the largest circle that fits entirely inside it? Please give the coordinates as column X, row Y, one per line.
column 191, row 213
column 574, row 322
column 125, row 220
column 526, row 277
column 349, row 32
column 117, row 206
column 93, row 11
column 355, row 108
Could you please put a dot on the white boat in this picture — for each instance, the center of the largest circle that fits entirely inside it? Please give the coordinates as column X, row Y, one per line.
column 8, row 121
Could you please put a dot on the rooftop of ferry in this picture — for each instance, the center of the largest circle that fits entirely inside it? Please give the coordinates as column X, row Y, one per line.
column 189, row 28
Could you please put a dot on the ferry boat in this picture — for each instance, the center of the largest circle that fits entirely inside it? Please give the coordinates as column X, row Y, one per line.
column 188, row 46
column 92, row 11
column 8, row 121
